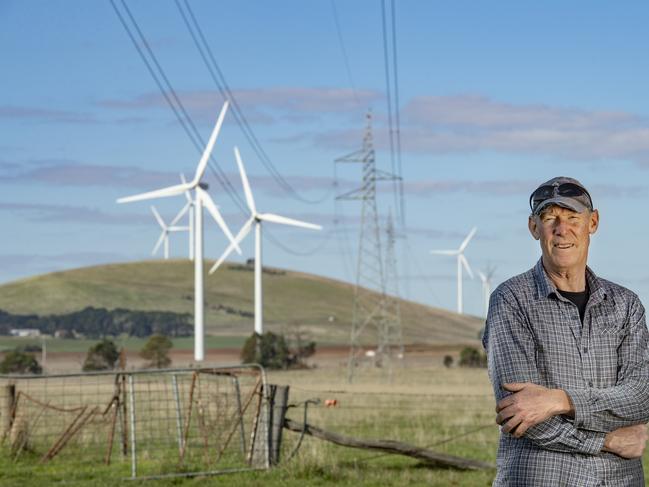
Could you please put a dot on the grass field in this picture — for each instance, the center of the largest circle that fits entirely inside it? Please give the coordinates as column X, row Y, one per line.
column 324, row 313
column 448, row 410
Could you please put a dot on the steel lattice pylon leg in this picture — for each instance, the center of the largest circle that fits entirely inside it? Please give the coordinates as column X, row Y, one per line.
column 372, row 322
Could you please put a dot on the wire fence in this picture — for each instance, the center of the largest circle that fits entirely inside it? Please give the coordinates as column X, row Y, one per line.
column 450, row 422
column 143, row 424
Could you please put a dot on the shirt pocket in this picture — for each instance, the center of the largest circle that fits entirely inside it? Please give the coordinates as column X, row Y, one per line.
column 607, row 319
column 604, row 353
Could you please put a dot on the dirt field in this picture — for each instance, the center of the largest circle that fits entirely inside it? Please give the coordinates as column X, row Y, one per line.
column 325, row 357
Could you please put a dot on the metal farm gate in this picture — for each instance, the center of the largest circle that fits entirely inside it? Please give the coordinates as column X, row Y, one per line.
column 139, row 424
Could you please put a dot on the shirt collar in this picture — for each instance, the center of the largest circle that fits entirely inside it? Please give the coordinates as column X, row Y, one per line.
column 546, row 288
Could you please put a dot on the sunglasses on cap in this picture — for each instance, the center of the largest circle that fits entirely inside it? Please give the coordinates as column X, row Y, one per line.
column 566, row 190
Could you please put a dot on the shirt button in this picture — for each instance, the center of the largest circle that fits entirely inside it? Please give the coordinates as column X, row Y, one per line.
column 585, row 349
column 590, row 383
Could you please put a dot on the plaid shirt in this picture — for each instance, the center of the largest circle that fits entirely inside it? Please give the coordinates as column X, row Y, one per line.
column 533, row 334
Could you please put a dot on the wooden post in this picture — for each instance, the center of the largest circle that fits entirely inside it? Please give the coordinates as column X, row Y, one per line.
column 8, row 412
column 278, row 402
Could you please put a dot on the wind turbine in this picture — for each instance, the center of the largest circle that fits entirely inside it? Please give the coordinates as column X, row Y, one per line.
column 256, row 219
column 166, row 230
column 461, row 262
column 189, row 207
column 201, row 198
column 486, row 286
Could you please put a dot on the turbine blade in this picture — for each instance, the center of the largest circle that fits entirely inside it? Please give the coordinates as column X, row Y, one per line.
column 158, row 217
column 216, row 214
column 490, row 272
column 483, row 278
column 158, row 193
column 202, row 165
column 245, row 230
column 444, row 252
column 465, row 264
column 180, row 214
column 246, row 184
column 187, row 195
column 468, row 237
column 270, row 217
column 158, row 243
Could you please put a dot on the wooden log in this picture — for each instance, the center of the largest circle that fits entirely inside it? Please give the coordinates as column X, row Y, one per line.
column 389, row 446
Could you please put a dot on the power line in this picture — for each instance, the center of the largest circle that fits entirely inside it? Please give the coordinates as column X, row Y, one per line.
column 388, row 92
column 344, row 51
column 219, row 79
column 395, row 69
column 185, row 120
column 391, row 68
column 299, row 253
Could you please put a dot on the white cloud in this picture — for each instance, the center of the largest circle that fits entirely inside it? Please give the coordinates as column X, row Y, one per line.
column 263, row 105
column 469, row 123
column 40, row 212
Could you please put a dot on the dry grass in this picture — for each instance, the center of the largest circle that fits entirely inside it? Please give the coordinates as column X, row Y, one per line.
column 169, row 286
column 448, row 410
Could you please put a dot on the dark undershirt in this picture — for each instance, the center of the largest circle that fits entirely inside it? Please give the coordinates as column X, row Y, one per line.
column 579, row 299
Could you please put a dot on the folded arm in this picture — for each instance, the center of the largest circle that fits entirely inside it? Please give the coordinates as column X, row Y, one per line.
column 511, row 353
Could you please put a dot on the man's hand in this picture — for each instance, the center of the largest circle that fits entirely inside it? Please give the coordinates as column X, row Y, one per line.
column 530, row 405
column 627, row 442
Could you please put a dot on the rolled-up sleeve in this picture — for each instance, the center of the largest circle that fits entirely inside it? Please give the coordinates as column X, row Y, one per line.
column 511, row 357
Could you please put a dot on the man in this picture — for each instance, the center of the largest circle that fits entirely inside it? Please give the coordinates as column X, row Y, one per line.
column 568, row 356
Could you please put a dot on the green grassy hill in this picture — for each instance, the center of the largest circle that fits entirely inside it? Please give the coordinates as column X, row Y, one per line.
column 320, row 308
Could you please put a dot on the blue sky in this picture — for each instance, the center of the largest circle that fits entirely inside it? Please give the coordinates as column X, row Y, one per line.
column 494, row 99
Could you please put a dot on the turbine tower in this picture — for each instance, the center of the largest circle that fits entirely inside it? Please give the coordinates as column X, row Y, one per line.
column 370, row 312
column 256, row 219
column 461, row 262
column 486, row 286
column 166, row 230
column 188, row 208
column 201, row 198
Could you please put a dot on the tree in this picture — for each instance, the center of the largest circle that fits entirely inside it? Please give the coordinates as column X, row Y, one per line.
column 268, row 350
column 18, row 362
column 271, row 351
column 156, row 351
column 448, row 361
column 101, row 356
column 472, row 357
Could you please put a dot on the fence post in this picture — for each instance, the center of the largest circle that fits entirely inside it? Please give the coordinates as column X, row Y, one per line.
column 179, row 414
column 131, row 394
column 8, row 409
column 278, row 402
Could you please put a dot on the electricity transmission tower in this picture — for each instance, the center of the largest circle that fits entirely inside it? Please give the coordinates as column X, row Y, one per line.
column 392, row 332
column 371, row 314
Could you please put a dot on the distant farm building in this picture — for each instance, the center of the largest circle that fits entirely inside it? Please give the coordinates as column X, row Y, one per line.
column 24, row 332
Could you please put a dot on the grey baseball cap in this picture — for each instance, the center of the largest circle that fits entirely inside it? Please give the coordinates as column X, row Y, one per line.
column 561, row 191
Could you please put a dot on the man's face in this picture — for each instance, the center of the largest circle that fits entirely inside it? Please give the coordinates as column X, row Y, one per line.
column 564, row 236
